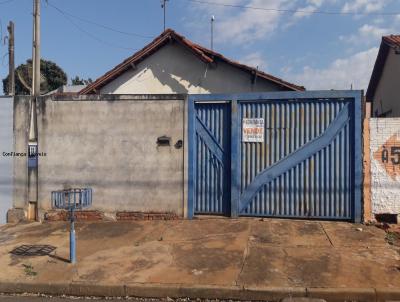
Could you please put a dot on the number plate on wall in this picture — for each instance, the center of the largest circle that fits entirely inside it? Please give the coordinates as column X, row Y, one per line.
column 32, row 155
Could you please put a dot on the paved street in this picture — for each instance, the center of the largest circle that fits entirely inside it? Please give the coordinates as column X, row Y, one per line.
column 66, row 299
column 40, row 299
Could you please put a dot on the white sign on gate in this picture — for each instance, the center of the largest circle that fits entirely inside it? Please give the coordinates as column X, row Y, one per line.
column 253, row 130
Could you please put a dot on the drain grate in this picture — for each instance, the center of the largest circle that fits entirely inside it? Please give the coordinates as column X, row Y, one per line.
column 33, row 250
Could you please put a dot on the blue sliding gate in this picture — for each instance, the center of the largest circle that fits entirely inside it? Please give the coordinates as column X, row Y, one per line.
column 278, row 154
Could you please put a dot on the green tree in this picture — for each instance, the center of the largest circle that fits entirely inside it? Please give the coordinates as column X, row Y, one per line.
column 51, row 77
column 81, row 81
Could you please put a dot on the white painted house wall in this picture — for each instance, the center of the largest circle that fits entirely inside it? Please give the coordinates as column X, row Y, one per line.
column 385, row 179
column 174, row 69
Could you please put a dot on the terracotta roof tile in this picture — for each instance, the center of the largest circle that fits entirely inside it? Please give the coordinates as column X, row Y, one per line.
column 392, row 40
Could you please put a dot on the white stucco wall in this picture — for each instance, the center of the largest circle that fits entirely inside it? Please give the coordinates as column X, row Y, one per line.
column 385, row 175
column 174, row 69
column 387, row 94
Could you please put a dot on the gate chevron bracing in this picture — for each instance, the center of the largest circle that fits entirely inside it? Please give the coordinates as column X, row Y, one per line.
column 304, row 163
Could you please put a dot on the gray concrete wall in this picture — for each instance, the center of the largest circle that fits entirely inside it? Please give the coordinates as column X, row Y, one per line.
column 20, row 136
column 109, row 144
column 6, row 146
column 174, row 69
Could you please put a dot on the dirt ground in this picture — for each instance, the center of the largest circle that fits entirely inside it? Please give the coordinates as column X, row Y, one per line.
column 249, row 252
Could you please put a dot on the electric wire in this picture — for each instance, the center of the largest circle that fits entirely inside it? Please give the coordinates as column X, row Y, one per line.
column 89, row 33
column 6, row 1
column 99, row 24
column 322, row 12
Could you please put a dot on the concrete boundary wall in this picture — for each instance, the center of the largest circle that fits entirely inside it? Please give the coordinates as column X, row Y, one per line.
column 6, row 146
column 385, row 165
column 108, row 143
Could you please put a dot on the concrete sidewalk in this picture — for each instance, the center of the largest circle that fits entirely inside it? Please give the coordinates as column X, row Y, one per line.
column 215, row 258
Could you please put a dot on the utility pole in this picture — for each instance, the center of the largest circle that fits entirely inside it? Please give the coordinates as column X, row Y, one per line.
column 33, row 135
column 164, row 6
column 36, row 49
column 11, row 67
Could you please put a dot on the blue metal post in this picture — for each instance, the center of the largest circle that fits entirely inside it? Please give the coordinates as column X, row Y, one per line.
column 235, row 158
column 72, row 244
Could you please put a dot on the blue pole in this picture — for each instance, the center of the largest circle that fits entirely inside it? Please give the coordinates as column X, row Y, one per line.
column 72, row 244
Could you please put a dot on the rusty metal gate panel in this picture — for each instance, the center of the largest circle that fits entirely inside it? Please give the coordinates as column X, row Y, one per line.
column 306, row 162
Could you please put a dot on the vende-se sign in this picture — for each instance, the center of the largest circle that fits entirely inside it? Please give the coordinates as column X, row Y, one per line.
column 253, row 130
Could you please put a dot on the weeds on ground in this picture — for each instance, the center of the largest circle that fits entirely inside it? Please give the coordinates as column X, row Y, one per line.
column 392, row 237
column 29, row 271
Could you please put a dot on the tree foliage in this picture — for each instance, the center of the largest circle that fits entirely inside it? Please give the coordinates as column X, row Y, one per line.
column 81, row 81
column 52, row 77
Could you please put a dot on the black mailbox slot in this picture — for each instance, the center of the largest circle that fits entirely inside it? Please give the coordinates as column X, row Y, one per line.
column 164, row 141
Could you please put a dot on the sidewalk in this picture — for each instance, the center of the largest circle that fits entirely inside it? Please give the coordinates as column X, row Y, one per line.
column 210, row 256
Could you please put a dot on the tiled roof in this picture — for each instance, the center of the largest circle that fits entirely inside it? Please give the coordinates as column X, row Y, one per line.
column 204, row 54
column 392, row 40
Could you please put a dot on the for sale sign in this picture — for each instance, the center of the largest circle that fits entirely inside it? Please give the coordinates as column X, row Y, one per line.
column 253, row 130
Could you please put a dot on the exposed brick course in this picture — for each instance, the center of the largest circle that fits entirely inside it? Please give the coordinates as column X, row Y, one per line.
column 79, row 215
column 98, row 215
column 146, row 216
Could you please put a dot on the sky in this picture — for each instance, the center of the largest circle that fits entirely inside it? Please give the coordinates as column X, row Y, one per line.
column 331, row 50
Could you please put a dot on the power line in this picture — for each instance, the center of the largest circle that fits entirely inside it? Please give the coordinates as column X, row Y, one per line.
column 1, row 32
column 6, row 1
column 98, row 24
column 3, row 59
column 293, row 10
column 88, row 33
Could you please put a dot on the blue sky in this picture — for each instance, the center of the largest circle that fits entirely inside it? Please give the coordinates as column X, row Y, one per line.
column 319, row 51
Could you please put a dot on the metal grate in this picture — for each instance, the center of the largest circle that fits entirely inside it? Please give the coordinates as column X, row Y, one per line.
column 72, row 199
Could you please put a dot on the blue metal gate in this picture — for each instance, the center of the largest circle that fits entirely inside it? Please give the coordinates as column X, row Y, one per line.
column 306, row 164
column 212, row 182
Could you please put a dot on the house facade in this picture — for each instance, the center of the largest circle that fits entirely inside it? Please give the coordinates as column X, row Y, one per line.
column 173, row 64
column 384, row 89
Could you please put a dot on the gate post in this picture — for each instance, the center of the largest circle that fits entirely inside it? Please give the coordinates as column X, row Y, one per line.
column 358, row 163
column 192, row 157
column 235, row 158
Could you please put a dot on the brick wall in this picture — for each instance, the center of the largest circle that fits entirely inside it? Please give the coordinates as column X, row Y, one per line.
column 87, row 215
column 385, row 165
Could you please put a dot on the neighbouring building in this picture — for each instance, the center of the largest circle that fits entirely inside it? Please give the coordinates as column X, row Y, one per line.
column 67, row 89
column 173, row 64
column 384, row 89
